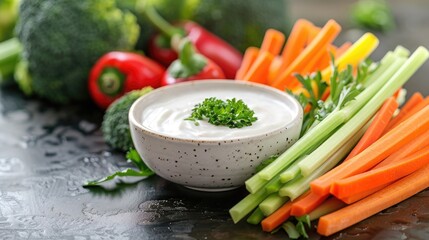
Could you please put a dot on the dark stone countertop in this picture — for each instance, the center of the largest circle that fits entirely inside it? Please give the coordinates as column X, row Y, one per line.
column 46, row 152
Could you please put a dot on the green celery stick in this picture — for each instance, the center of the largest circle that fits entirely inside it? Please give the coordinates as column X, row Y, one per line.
column 247, row 204
column 272, row 203
column 255, row 183
column 274, row 185
column 330, row 205
column 256, row 217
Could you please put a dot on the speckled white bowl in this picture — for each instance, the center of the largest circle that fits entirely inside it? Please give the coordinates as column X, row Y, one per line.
column 210, row 165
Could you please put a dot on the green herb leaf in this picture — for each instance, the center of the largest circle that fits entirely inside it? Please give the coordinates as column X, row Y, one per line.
column 232, row 113
column 133, row 156
column 344, row 87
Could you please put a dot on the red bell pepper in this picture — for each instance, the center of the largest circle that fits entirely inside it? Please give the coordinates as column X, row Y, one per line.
column 117, row 73
column 208, row 44
column 159, row 50
column 191, row 66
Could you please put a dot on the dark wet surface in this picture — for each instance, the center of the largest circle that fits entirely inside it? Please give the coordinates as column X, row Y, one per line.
column 47, row 152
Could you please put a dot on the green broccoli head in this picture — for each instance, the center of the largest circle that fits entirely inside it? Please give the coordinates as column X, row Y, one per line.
column 115, row 125
column 62, row 39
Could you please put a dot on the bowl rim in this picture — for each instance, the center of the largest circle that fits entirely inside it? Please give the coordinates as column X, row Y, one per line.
column 133, row 121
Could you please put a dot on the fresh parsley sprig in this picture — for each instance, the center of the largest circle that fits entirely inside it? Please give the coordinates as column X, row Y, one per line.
column 344, row 86
column 232, row 113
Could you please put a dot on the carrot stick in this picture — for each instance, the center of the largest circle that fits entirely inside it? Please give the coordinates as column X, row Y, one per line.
column 379, row 150
column 312, row 33
column 415, row 145
column 378, row 177
column 279, row 216
column 414, row 101
column 356, row 197
column 258, row 72
column 328, row 33
column 385, row 198
column 319, row 61
column 248, row 59
column 307, row 204
column 274, row 68
column 273, row 41
column 296, row 41
column 376, row 128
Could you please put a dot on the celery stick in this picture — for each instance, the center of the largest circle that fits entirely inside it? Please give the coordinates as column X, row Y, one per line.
column 406, row 70
column 256, row 217
column 272, row 203
column 323, row 129
column 255, row 183
column 402, row 51
column 274, row 185
column 295, row 189
column 330, row 205
column 291, row 172
column 247, row 204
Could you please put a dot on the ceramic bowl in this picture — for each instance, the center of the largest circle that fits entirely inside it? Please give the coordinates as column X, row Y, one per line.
column 219, row 162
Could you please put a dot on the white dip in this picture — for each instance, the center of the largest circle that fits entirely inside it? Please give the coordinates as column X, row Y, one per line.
column 166, row 115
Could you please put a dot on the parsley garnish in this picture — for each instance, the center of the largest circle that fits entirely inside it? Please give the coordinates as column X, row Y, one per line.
column 232, row 113
column 344, row 87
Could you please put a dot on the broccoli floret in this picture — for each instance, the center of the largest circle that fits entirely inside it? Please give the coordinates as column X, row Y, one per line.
column 115, row 126
column 62, row 39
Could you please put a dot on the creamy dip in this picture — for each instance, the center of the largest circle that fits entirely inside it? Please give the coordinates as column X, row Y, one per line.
column 166, row 115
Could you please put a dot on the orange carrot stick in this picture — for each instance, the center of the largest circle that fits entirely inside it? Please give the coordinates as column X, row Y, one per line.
column 328, row 33
column 275, row 68
column 356, row 197
column 417, row 144
column 258, row 72
column 307, row 204
column 379, row 150
column 273, row 41
column 385, row 198
column 415, row 99
column 312, row 33
column 376, row 128
column 296, row 41
column 378, row 177
column 279, row 216
column 248, row 59
column 406, row 113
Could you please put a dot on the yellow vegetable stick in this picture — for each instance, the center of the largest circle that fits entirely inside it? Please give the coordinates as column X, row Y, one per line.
column 360, row 50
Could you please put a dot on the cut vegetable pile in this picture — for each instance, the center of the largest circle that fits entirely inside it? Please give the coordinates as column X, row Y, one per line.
column 358, row 153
